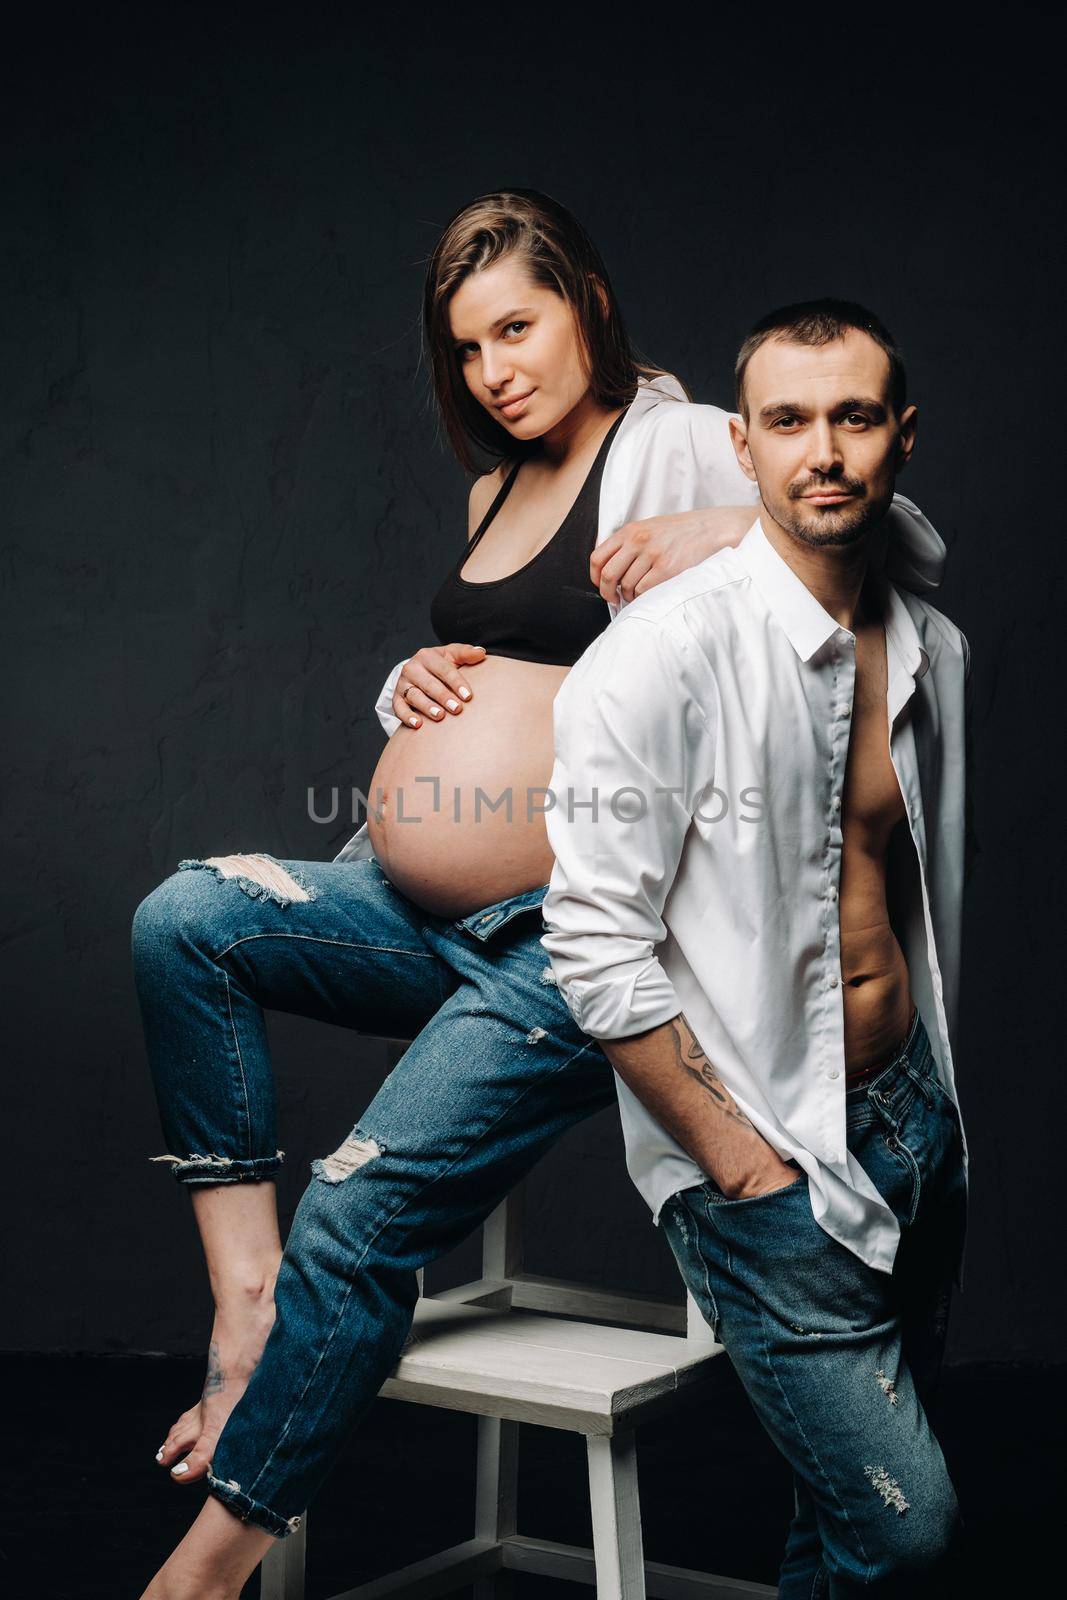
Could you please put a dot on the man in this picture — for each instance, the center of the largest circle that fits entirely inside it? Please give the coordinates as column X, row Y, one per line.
column 755, row 908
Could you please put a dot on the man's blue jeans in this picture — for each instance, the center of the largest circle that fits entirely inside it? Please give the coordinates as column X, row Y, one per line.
column 840, row 1361
column 497, row 1071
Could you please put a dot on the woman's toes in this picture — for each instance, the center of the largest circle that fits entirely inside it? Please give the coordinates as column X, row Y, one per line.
column 182, row 1437
column 193, row 1468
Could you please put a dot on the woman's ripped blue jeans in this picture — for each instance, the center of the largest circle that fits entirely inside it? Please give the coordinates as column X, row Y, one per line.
column 497, row 1071
column 840, row 1361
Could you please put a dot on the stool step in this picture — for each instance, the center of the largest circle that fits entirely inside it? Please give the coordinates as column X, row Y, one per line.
column 439, row 1574
column 463, row 1564
column 662, row 1582
column 579, row 1376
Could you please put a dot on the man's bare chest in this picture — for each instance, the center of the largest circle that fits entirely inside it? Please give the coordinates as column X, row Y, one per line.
column 872, row 795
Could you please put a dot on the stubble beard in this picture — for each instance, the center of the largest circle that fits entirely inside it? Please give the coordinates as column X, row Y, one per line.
column 831, row 528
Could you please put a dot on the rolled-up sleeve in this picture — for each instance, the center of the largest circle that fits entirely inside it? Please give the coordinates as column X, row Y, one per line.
column 632, row 749
column 384, row 703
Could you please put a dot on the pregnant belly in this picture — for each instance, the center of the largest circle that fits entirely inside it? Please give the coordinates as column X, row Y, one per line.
column 460, row 803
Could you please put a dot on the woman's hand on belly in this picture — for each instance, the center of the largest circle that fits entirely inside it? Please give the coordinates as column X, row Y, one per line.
column 456, row 817
column 432, row 684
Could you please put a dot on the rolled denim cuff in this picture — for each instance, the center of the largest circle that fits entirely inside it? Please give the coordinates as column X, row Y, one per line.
column 221, row 1169
column 244, row 1507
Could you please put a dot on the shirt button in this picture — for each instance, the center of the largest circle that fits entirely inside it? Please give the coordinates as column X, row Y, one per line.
column 844, row 711
column 833, row 1074
column 834, row 1158
column 835, row 803
column 832, row 981
column 831, row 893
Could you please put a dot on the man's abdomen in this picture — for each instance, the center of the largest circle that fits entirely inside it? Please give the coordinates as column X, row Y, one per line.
column 875, row 991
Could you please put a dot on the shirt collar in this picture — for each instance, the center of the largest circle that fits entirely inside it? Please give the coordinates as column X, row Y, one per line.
column 806, row 624
column 906, row 660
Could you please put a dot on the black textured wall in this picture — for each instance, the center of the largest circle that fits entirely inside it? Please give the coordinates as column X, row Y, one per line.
column 226, row 508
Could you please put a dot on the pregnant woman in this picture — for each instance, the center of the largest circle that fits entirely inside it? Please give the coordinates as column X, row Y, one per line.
column 607, row 483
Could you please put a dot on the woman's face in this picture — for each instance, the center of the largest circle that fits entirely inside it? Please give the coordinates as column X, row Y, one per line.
column 518, row 348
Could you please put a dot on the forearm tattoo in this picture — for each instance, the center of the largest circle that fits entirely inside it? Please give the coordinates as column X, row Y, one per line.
column 691, row 1059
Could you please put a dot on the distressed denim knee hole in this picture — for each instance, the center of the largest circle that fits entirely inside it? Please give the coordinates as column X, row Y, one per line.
column 355, row 1152
column 259, row 876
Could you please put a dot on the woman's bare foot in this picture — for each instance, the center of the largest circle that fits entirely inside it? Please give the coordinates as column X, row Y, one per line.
column 238, row 1334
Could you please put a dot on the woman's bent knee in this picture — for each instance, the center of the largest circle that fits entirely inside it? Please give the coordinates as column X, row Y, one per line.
column 158, row 917
column 176, row 910
column 188, row 907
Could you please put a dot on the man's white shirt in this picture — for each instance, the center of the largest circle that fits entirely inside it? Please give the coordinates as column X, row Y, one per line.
column 700, row 751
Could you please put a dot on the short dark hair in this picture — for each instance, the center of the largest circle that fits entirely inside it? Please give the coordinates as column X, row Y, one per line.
column 818, row 322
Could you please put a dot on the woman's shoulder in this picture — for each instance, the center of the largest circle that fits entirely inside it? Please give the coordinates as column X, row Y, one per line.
column 685, row 429
column 683, row 419
column 484, row 491
column 679, row 456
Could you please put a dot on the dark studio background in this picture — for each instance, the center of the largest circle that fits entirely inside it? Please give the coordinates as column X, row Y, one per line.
column 226, row 507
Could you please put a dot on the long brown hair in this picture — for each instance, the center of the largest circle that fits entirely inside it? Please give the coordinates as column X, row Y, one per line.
column 559, row 255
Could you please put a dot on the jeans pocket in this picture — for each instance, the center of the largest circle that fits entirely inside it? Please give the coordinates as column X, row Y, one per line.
column 484, row 924
column 775, row 1252
column 891, row 1153
column 944, row 1101
column 683, row 1235
column 716, row 1197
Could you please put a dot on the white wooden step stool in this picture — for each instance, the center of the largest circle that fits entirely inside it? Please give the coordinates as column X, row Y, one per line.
column 494, row 1348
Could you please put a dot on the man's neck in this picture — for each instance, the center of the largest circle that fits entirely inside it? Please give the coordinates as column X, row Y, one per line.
column 834, row 574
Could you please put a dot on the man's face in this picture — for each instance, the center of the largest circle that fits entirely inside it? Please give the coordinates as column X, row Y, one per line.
column 821, row 438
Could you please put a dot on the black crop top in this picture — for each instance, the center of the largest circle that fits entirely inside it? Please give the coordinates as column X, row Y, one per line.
column 548, row 610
